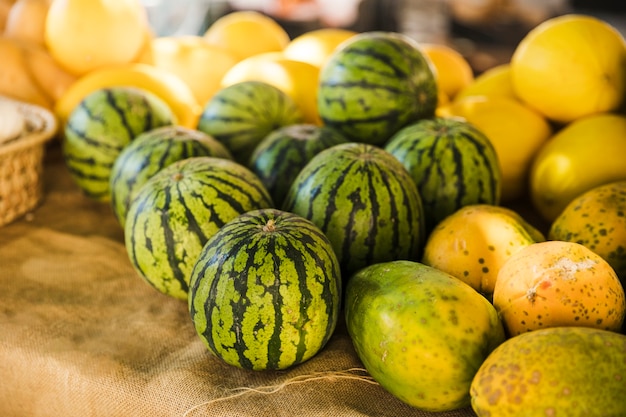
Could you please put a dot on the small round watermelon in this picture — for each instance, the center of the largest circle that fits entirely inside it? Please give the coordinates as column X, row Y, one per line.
column 265, row 293
column 242, row 114
column 283, row 153
column 364, row 200
column 152, row 151
column 452, row 162
column 178, row 209
column 101, row 126
column 375, row 84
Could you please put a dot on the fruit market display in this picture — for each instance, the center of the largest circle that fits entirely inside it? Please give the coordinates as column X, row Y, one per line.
column 469, row 228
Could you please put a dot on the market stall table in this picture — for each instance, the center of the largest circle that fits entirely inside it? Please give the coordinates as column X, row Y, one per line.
column 81, row 334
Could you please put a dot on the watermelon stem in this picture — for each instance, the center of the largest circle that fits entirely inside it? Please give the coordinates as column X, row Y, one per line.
column 269, row 226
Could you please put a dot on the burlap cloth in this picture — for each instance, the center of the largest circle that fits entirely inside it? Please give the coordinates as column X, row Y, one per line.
column 82, row 335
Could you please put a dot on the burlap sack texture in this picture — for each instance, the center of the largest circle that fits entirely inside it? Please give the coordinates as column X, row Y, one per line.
column 82, row 335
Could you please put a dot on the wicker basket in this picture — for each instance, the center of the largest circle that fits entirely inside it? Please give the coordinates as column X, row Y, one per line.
column 21, row 162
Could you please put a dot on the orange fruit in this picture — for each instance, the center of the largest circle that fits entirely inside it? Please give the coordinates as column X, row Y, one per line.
column 558, row 283
column 247, row 33
column 516, row 131
column 316, row 46
column 198, row 63
column 570, row 66
column 297, row 79
column 86, row 35
column 452, row 69
column 26, row 20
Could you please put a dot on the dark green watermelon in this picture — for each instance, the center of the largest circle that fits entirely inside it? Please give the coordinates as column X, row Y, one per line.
column 452, row 162
column 152, row 151
column 178, row 209
column 375, row 84
column 265, row 292
column 101, row 126
column 364, row 200
column 242, row 114
column 283, row 153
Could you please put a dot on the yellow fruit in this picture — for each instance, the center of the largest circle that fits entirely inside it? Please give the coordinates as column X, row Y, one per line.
column 453, row 71
column 316, row 46
column 516, row 131
column 570, row 66
column 475, row 241
column 297, row 79
column 15, row 78
column 597, row 220
column 586, row 153
column 160, row 82
column 198, row 63
column 556, row 283
column 247, row 33
column 86, row 35
column 27, row 19
column 495, row 81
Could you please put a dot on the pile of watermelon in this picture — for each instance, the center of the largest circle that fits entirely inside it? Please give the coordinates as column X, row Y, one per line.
column 259, row 220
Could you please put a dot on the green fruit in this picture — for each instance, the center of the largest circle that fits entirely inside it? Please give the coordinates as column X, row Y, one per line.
column 282, row 154
column 265, row 291
column 421, row 333
column 150, row 152
column 375, row 84
column 178, row 209
column 560, row 371
column 242, row 114
column 453, row 163
column 364, row 200
column 101, row 126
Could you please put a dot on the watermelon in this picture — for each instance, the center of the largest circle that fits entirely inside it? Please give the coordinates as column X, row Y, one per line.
column 242, row 114
column 283, row 153
column 101, row 126
column 364, row 200
column 178, row 209
column 374, row 84
column 152, row 151
column 265, row 292
column 453, row 164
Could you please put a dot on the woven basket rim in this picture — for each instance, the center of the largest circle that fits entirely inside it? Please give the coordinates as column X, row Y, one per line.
column 42, row 121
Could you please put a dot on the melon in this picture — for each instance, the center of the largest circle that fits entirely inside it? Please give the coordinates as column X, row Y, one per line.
column 178, row 209
column 374, row 84
column 452, row 162
column 152, row 151
column 364, row 200
column 101, row 126
column 265, row 291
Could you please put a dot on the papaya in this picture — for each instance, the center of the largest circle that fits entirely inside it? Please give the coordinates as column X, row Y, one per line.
column 561, row 371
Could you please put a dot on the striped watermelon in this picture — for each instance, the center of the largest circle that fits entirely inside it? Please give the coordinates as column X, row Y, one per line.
column 242, row 114
column 453, row 164
column 364, row 200
column 100, row 126
column 283, row 153
column 375, row 84
column 265, row 292
column 178, row 209
column 152, row 151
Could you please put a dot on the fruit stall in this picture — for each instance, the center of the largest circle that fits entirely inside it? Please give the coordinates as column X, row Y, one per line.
column 347, row 220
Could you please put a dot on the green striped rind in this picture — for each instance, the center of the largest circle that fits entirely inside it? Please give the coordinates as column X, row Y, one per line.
column 152, row 151
column 364, row 200
column 178, row 209
column 100, row 126
column 242, row 114
column 283, row 153
column 266, row 299
column 453, row 164
column 375, row 84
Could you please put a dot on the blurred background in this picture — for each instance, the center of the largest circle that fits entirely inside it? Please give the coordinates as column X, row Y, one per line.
column 484, row 31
